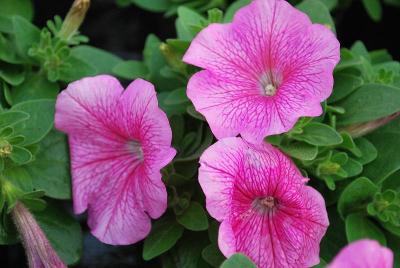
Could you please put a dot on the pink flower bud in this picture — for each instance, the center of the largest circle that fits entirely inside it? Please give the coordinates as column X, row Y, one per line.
column 39, row 252
column 358, row 130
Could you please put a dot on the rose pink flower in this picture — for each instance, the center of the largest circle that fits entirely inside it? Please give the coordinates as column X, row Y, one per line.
column 363, row 253
column 263, row 71
column 267, row 211
column 119, row 140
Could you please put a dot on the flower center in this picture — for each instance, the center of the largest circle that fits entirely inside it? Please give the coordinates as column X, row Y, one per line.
column 270, row 90
column 265, row 204
column 269, row 83
column 136, row 149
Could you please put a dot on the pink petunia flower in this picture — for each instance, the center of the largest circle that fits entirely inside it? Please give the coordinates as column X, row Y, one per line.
column 267, row 211
column 119, row 140
column 263, row 71
column 363, row 253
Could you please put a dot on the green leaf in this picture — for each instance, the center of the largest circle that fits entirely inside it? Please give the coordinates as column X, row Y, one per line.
column 319, row 134
column 34, row 87
column 369, row 102
column 368, row 151
column 177, row 96
column 8, row 232
column 352, row 168
column 212, row 255
column 187, row 252
column 20, row 155
column 195, row 114
column 76, row 70
column 18, row 177
column 51, row 166
column 356, row 196
column 153, row 5
column 359, row 49
column 7, row 51
column 380, row 56
column 26, row 34
column 40, row 122
column 10, row 118
column 33, row 200
column 194, row 218
column 238, row 261
column 170, row 110
column 63, row 232
column 188, row 23
column 388, row 159
column 318, row 12
column 344, row 85
column 330, row 4
column 102, row 61
column 235, row 6
column 155, row 61
column 12, row 74
column 130, row 69
column 390, row 227
column 360, row 227
column 164, row 234
column 322, row 264
column 300, row 150
column 373, row 8
column 23, row 8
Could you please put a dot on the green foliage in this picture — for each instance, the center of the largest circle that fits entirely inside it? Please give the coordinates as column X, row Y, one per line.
column 318, row 12
column 194, row 218
column 163, row 236
column 356, row 196
column 358, row 177
column 63, row 232
column 238, row 261
column 359, row 227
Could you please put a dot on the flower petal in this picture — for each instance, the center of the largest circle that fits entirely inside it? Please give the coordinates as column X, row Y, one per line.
column 118, row 140
column 363, row 253
column 265, row 39
column 234, row 176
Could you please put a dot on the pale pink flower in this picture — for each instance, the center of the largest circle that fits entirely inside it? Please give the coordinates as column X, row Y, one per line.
column 39, row 252
column 363, row 253
column 267, row 211
column 119, row 140
column 263, row 71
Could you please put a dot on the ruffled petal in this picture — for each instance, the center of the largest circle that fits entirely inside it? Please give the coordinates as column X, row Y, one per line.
column 236, row 176
column 118, row 140
column 267, row 40
column 363, row 253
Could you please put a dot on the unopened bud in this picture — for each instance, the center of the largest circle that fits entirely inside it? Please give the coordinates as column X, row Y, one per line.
column 358, row 130
column 38, row 250
column 74, row 18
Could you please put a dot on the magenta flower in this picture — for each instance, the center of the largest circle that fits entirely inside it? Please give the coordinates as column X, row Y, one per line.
column 267, row 211
column 362, row 254
column 263, row 71
column 119, row 140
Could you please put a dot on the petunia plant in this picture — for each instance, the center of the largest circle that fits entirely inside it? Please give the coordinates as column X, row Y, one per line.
column 251, row 138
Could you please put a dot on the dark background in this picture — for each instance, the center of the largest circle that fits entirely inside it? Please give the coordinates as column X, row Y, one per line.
column 123, row 31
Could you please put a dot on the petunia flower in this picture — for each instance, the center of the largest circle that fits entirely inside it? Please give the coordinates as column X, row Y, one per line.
column 119, row 140
column 363, row 253
column 267, row 211
column 263, row 71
